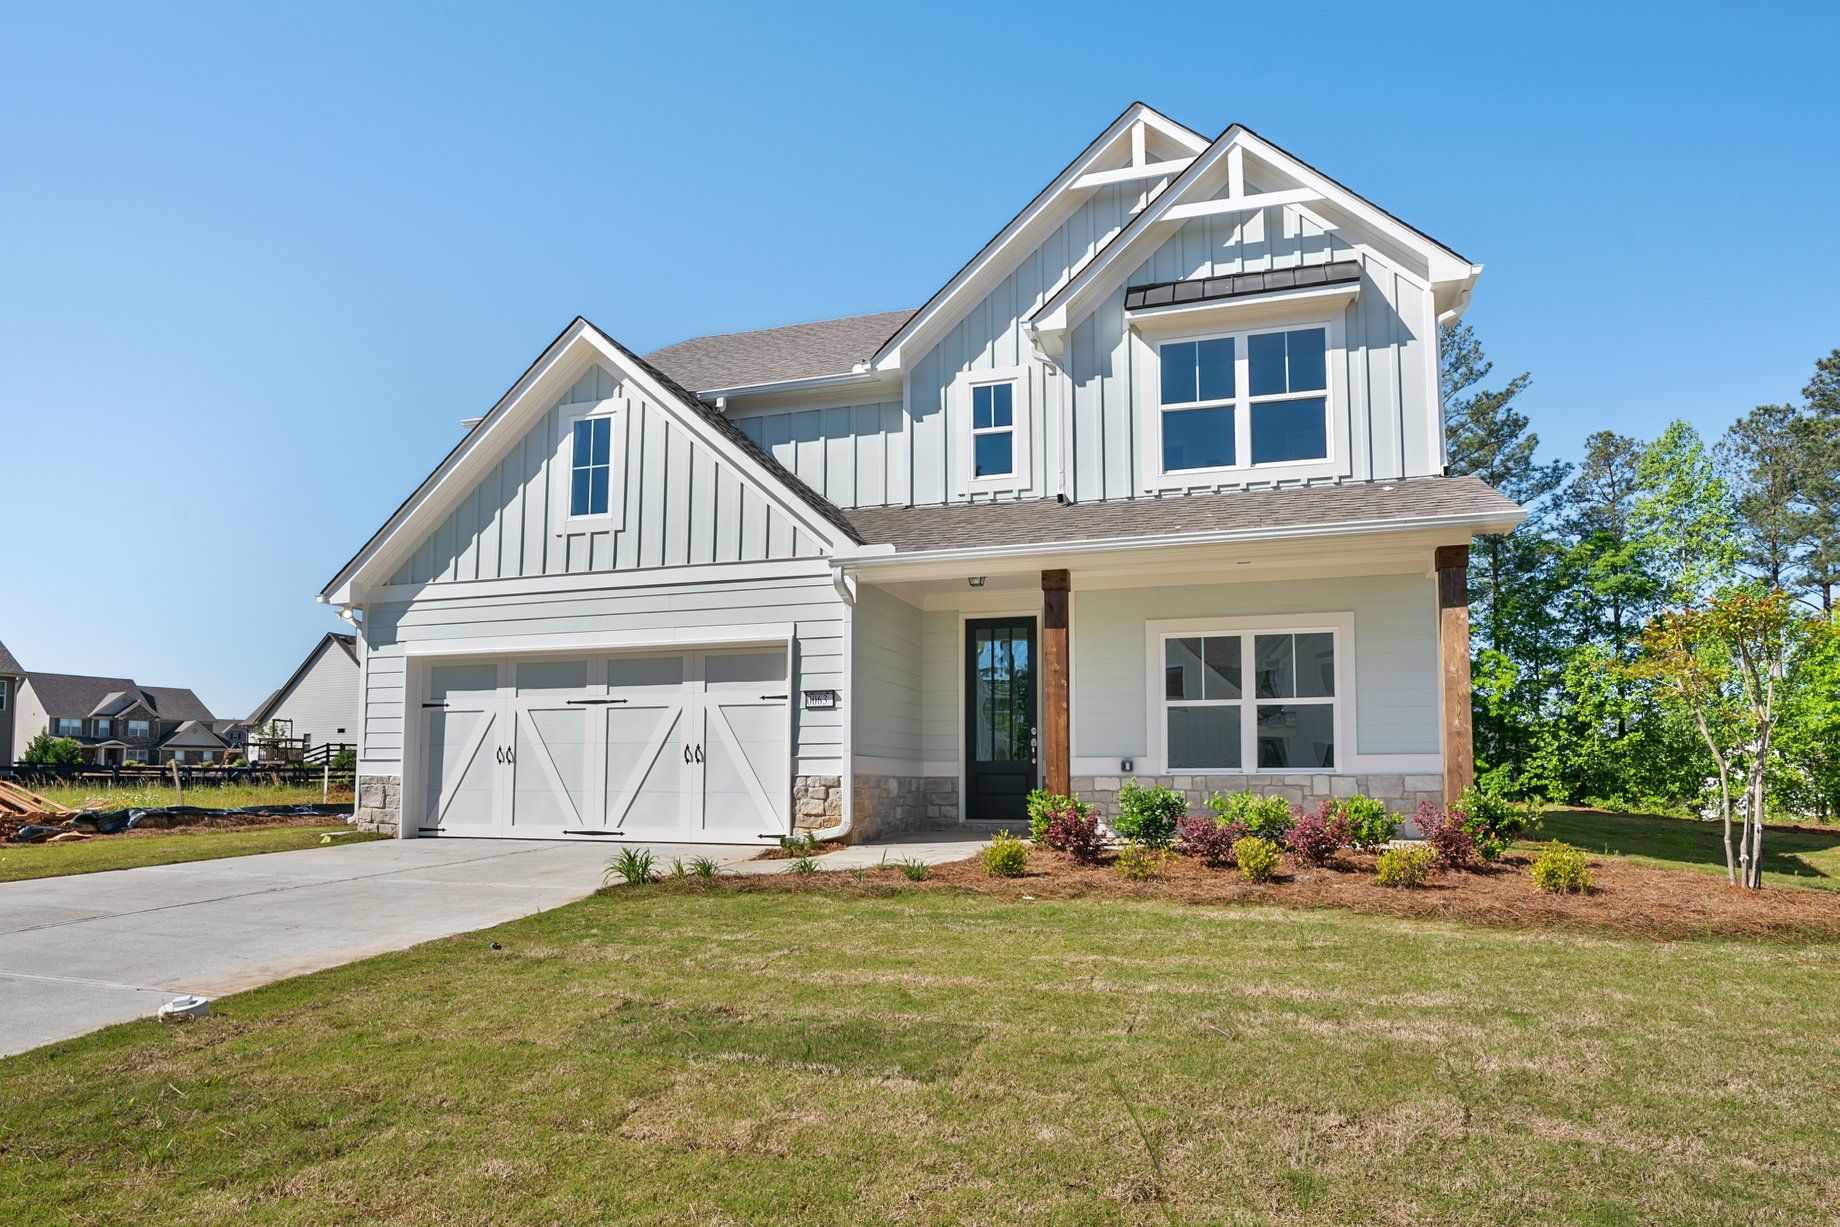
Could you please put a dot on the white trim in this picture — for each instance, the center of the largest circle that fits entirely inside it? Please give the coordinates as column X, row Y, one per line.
column 964, row 431
column 562, row 514
column 1240, row 204
column 764, row 571
column 684, row 637
column 1340, row 625
column 1130, row 174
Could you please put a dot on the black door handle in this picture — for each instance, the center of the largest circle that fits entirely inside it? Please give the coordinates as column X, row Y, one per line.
column 686, row 754
column 699, row 752
column 500, row 755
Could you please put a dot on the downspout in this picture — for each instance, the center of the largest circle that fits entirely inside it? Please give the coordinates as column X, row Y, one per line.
column 846, row 592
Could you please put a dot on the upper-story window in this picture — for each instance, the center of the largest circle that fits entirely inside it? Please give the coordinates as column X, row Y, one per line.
column 1249, row 398
column 591, row 493
column 139, row 728
column 591, row 466
column 104, row 728
column 65, row 726
column 2, row 694
column 993, row 430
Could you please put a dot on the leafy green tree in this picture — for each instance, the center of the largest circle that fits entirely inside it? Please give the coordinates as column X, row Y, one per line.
column 53, row 751
column 1684, row 516
column 1809, row 781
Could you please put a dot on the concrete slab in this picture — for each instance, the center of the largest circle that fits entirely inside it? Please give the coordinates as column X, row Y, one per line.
column 932, row 847
column 82, row 952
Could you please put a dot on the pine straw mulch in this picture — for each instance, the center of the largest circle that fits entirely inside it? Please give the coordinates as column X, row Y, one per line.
column 1628, row 899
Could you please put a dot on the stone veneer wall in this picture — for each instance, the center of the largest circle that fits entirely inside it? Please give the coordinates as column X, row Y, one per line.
column 1402, row 793
column 894, row 804
column 379, row 803
column 817, row 802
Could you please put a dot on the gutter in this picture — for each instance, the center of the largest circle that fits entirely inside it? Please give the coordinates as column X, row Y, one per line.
column 857, row 374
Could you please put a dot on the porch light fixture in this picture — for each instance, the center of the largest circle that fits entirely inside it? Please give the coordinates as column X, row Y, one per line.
column 976, row 581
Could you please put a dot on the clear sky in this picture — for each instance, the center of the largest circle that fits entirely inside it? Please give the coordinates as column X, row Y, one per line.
column 258, row 261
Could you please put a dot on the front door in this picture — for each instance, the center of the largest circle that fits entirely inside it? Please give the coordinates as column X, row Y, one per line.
column 999, row 718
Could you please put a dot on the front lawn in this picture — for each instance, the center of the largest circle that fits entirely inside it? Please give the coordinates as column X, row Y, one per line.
column 1790, row 858
column 19, row 862
column 829, row 1050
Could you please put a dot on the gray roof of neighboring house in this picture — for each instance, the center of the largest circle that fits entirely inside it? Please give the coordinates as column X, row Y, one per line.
column 77, row 695
column 194, row 733
column 770, row 355
column 1051, row 522
column 9, row 664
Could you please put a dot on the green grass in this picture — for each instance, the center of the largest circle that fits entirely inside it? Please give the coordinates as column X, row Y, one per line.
column 678, row 1055
column 1790, row 858
column 19, row 862
column 95, row 794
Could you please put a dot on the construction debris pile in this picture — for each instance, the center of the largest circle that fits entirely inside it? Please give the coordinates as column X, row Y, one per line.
column 27, row 818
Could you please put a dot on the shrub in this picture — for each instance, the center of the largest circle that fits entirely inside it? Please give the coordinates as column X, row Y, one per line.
column 634, row 866
column 1149, row 815
column 1493, row 821
column 1141, row 862
column 679, row 871
column 1561, row 869
column 344, row 760
column 1266, row 817
column 1209, row 840
column 915, row 869
column 802, row 844
column 1007, row 856
column 1316, row 836
column 705, row 867
column 1045, row 807
column 802, row 864
column 1257, row 857
column 1451, row 844
column 1370, row 824
column 1404, row 867
column 55, row 751
column 1074, row 833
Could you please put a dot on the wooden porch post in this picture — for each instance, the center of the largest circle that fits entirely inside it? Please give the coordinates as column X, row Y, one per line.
column 1458, row 741
column 1056, row 738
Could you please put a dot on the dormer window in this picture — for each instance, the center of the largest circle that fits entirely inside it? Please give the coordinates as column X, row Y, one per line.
column 590, row 468
column 1244, row 400
column 993, row 430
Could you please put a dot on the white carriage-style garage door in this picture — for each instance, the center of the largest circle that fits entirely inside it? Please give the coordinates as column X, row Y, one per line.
column 679, row 747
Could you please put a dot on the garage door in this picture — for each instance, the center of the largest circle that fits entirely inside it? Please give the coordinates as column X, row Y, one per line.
column 687, row 746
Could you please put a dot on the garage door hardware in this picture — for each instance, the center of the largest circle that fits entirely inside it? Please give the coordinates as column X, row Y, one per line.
column 696, row 758
column 584, row 702
column 506, row 755
column 426, row 830
column 772, row 696
column 610, row 834
column 442, row 706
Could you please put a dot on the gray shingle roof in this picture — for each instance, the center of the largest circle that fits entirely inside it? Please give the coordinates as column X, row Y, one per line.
column 1050, row 522
column 77, row 695
column 9, row 663
column 768, row 355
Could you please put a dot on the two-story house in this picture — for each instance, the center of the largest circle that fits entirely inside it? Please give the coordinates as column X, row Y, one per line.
column 117, row 722
column 316, row 707
column 1153, row 486
column 12, row 673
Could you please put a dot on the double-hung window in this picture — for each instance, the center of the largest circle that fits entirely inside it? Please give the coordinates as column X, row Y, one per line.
column 1251, row 398
column 139, row 728
column 591, row 490
column 993, row 430
column 1249, row 700
column 64, row 726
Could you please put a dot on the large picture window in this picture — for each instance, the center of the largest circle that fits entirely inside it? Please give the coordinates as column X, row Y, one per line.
column 1251, row 700
column 1254, row 398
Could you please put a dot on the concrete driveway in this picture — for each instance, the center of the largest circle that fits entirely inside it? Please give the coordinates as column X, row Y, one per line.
column 82, row 952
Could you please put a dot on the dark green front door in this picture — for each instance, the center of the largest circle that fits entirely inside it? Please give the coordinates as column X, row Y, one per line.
column 999, row 718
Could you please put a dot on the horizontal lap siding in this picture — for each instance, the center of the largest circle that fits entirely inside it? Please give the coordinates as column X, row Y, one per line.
column 324, row 703
column 682, row 505
column 886, row 695
column 1395, row 654
column 811, row 604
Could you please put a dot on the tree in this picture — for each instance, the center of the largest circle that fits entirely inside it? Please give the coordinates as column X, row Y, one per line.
column 1684, row 515
column 1821, row 495
column 1766, row 464
column 53, row 751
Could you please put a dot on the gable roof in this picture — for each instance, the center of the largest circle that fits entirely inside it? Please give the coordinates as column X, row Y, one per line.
column 775, row 355
column 77, row 695
column 328, row 641
column 821, row 517
column 194, row 733
column 9, row 664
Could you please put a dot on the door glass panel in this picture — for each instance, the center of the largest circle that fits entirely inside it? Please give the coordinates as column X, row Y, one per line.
column 1003, row 706
column 536, row 799
column 551, row 676
column 745, row 670
column 647, row 777
column 737, row 785
column 624, row 672
column 460, row 766
column 463, row 681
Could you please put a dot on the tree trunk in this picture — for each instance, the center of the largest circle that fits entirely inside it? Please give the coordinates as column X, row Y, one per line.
column 1731, row 866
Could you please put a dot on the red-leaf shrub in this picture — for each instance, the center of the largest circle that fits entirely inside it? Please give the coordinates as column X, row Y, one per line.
column 1074, row 833
column 1207, row 839
column 1316, row 836
column 1444, row 833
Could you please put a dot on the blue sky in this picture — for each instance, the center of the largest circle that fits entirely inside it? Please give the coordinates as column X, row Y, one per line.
column 259, row 261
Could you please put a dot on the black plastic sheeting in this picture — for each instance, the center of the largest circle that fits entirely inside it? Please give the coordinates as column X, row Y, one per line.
column 115, row 821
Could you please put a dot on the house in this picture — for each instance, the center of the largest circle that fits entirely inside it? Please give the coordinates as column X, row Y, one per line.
column 1154, row 486
column 316, row 706
column 116, row 721
column 11, row 674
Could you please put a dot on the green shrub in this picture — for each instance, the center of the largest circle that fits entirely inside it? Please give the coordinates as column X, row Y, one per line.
column 678, row 871
column 1561, row 869
column 1266, row 817
column 1045, row 807
column 1493, row 821
column 915, row 869
column 54, row 751
column 1149, row 814
column 1404, row 866
column 1257, row 857
column 1141, row 862
column 1007, row 856
column 802, row 844
column 1370, row 824
column 705, row 867
column 634, row 866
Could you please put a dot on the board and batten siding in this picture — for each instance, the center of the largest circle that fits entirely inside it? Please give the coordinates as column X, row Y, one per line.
column 810, row 603
column 323, row 704
column 1395, row 654
column 683, row 506
column 854, row 455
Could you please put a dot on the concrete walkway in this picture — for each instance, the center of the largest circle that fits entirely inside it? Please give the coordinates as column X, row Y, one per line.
column 81, row 952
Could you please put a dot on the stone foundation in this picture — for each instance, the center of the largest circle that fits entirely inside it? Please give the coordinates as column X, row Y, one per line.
column 895, row 804
column 379, row 804
column 817, row 802
column 1402, row 793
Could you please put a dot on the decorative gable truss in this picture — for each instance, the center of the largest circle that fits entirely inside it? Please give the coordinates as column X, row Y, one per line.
column 593, row 461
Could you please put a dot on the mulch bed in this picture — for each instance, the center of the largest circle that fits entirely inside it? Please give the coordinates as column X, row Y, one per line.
column 1629, row 899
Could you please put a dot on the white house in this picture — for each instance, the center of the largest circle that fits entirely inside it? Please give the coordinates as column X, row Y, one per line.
column 1153, row 486
column 316, row 706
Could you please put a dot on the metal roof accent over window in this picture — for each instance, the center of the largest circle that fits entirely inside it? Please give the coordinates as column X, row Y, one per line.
column 1239, row 285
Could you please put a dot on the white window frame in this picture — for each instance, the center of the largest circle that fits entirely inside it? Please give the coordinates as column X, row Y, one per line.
column 1018, row 477
column 3, row 686
column 614, row 518
column 1340, row 626
column 1149, row 338
column 58, row 723
column 146, row 728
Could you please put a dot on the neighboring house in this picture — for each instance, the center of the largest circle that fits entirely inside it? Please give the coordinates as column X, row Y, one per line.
column 317, row 706
column 116, row 721
column 1152, row 487
column 11, row 674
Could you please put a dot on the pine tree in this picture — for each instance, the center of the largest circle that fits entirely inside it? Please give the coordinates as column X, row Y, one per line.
column 1821, row 494
column 1766, row 464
